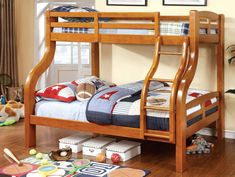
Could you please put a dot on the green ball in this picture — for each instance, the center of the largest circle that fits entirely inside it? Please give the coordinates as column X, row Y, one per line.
column 39, row 156
column 44, row 162
column 32, row 152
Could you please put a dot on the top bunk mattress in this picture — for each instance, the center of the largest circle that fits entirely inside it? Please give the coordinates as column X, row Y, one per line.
column 166, row 28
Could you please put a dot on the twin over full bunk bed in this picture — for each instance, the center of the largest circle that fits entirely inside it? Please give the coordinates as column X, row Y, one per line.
column 204, row 27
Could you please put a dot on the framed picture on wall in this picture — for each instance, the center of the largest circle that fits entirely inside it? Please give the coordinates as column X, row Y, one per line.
column 126, row 2
column 184, row 2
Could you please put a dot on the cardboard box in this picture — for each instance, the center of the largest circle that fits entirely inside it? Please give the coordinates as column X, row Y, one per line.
column 96, row 145
column 126, row 149
column 74, row 142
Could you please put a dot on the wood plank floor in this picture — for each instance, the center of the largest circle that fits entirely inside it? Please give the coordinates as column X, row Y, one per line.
column 159, row 158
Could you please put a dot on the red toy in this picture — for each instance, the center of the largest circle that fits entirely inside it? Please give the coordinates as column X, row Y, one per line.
column 116, row 158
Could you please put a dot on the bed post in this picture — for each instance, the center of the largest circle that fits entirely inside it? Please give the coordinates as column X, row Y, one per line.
column 181, row 125
column 31, row 81
column 95, row 69
column 220, row 78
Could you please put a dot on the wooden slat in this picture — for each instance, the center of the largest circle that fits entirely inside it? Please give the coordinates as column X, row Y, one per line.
column 157, row 108
column 174, row 18
column 162, row 80
column 210, row 15
column 87, row 127
column 201, row 124
column 195, row 114
column 125, row 26
column 73, row 37
column 212, row 26
column 201, row 99
column 72, row 14
column 172, row 40
column 157, row 136
column 170, row 53
column 126, row 39
column 216, row 104
column 72, row 25
column 128, row 15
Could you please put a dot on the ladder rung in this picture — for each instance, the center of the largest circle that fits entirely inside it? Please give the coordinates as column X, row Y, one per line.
column 157, row 108
column 157, row 136
column 162, row 80
column 170, row 53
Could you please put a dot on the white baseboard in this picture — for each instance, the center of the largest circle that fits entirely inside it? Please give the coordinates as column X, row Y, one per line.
column 211, row 132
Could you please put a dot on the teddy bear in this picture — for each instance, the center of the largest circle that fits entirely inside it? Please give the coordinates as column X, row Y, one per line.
column 11, row 112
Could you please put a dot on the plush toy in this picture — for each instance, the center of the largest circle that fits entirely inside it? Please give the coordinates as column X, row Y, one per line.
column 199, row 145
column 84, row 91
column 11, row 112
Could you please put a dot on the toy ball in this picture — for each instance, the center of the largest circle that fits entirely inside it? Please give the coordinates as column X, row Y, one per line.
column 84, row 91
column 32, row 152
column 100, row 157
column 116, row 158
column 63, row 153
column 39, row 156
column 44, row 162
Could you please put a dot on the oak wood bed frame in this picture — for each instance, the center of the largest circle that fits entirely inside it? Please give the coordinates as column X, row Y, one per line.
column 178, row 130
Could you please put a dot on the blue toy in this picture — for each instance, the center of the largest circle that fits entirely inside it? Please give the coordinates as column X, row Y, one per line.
column 3, row 100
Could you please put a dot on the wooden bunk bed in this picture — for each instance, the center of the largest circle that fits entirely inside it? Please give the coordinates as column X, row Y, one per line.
column 178, row 129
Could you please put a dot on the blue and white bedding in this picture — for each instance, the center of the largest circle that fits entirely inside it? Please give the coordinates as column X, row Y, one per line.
column 124, row 109
column 166, row 28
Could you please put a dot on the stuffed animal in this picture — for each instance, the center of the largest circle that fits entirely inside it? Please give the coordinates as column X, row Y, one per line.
column 84, row 91
column 199, row 145
column 11, row 112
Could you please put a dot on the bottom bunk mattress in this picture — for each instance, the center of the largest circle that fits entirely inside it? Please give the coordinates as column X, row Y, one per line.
column 125, row 112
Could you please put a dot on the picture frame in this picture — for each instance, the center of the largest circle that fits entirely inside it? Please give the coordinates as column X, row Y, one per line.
column 185, row 2
column 126, row 2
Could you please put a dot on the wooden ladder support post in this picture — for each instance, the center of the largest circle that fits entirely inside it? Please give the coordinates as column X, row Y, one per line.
column 144, row 93
column 181, row 125
column 220, row 79
column 32, row 79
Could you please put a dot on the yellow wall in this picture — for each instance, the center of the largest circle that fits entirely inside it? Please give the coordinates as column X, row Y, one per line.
column 125, row 63
column 25, row 37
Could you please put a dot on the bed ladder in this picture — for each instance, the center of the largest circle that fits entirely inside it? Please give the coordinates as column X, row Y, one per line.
column 167, row 136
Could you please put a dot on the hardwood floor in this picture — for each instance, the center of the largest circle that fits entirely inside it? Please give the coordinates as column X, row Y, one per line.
column 159, row 158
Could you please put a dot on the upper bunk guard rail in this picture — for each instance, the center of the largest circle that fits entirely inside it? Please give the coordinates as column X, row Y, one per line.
column 149, row 21
column 184, row 55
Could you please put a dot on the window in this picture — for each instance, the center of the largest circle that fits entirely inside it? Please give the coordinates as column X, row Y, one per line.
column 69, row 56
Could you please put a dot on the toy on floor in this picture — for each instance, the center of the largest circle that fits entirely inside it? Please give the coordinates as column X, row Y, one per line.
column 16, row 168
column 100, row 157
column 61, row 154
column 11, row 112
column 3, row 99
column 46, row 170
column 32, row 152
column 80, row 163
column 116, row 158
column 11, row 157
column 199, row 145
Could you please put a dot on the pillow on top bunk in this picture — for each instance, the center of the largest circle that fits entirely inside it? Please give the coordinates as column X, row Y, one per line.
column 61, row 92
column 70, row 8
